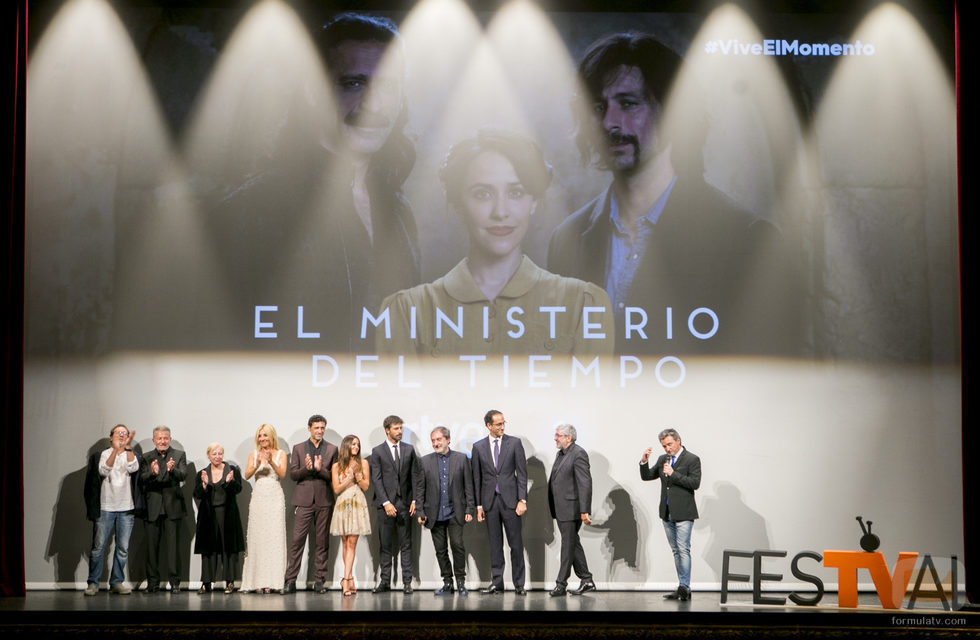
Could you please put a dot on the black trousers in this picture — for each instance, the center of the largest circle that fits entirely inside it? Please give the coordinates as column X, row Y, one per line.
column 572, row 554
column 396, row 536
column 453, row 531
column 500, row 520
column 162, row 539
column 228, row 562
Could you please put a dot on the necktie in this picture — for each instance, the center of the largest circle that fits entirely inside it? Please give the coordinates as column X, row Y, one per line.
column 398, row 459
column 496, row 454
column 672, row 458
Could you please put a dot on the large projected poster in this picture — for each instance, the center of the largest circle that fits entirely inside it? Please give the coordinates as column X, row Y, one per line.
column 747, row 232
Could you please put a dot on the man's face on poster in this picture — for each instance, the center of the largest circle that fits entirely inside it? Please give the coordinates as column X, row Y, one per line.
column 627, row 118
column 368, row 93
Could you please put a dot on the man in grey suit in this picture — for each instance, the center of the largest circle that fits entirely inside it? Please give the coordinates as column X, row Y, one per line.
column 570, row 500
column 395, row 476
column 313, row 501
column 500, row 486
column 445, row 502
column 679, row 472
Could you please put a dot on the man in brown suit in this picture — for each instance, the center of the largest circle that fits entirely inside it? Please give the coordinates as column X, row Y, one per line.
column 313, row 501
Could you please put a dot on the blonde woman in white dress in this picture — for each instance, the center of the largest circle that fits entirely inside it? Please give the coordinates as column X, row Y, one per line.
column 265, row 540
column 351, row 477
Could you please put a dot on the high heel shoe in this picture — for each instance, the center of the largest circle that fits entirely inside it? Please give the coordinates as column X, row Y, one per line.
column 230, row 587
column 347, row 584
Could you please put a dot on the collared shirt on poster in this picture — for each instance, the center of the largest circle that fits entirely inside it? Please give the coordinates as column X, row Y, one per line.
column 625, row 254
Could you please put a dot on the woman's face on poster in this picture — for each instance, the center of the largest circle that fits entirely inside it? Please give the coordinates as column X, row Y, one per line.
column 495, row 206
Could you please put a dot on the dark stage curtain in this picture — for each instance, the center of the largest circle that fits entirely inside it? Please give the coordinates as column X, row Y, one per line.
column 12, row 358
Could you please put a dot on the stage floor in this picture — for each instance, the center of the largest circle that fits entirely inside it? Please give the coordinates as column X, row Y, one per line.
column 609, row 614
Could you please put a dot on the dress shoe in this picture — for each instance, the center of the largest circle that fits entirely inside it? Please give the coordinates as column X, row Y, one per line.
column 683, row 594
column 407, row 589
column 289, row 587
column 91, row 589
column 175, row 588
column 461, row 590
column 585, row 587
column 445, row 590
column 559, row 590
column 491, row 590
column 152, row 588
column 121, row 589
column 320, row 588
column 381, row 588
column 520, row 591
column 673, row 595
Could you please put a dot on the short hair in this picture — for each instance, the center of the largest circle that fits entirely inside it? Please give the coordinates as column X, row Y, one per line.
column 488, row 418
column 396, row 158
column 213, row 446
column 357, row 27
column 161, row 427
column 443, row 430
column 269, row 431
column 521, row 151
column 671, row 433
column 568, row 430
column 113, row 430
column 392, row 420
column 658, row 64
column 316, row 417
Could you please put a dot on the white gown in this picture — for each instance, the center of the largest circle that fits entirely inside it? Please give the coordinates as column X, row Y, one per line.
column 265, row 541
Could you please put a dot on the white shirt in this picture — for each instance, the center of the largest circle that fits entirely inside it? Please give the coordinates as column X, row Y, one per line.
column 116, row 494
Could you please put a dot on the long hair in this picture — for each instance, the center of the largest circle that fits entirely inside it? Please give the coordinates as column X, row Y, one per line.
column 344, row 456
column 269, row 431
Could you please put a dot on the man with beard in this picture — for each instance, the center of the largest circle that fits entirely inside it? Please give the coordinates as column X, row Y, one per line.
column 665, row 245
column 395, row 476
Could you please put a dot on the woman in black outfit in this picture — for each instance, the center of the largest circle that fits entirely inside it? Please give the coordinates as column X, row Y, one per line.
column 219, row 526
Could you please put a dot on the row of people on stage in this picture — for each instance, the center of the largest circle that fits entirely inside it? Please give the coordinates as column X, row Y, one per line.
column 442, row 491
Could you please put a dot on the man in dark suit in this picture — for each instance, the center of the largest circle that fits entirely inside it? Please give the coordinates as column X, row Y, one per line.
column 570, row 501
column 313, row 502
column 500, row 486
column 679, row 472
column 660, row 237
column 162, row 473
column 395, row 474
column 445, row 501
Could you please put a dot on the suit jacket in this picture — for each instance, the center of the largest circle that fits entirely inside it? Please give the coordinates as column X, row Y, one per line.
column 93, row 488
column 511, row 476
column 705, row 251
column 679, row 487
column 388, row 483
column 162, row 490
column 460, row 488
column 313, row 488
column 570, row 484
